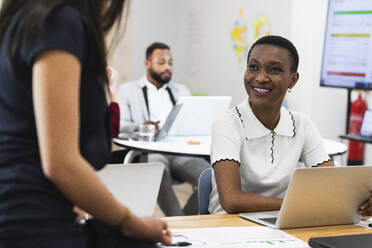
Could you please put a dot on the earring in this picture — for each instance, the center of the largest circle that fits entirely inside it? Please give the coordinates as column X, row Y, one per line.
column 289, row 90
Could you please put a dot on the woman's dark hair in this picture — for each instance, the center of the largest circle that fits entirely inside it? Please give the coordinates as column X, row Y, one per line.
column 280, row 42
column 22, row 20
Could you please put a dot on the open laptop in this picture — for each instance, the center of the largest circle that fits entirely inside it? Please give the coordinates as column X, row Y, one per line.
column 163, row 132
column 197, row 114
column 134, row 185
column 320, row 196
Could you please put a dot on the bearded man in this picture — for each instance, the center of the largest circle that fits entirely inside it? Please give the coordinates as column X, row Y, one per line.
column 149, row 100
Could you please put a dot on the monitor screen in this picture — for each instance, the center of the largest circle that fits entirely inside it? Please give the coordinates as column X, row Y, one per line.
column 347, row 53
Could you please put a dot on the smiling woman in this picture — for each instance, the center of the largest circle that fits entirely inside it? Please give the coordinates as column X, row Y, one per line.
column 268, row 76
column 257, row 144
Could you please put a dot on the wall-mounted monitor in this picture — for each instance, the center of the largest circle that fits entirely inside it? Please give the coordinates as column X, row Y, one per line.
column 347, row 52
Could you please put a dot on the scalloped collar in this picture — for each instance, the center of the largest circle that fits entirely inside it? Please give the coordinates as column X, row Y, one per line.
column 255, row 129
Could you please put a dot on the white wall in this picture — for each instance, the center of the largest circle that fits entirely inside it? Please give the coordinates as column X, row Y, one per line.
column 148, row 21
column 212, row 66
column 326, row 106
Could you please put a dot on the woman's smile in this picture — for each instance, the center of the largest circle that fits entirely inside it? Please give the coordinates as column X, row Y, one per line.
column 261, row 91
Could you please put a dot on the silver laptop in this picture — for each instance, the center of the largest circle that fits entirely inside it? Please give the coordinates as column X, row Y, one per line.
column 319, row 197
column 197, row 114
column 163, row 132
column 134, row 185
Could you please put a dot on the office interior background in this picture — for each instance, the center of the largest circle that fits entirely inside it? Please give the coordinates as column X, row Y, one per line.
column 205, row 60
column 199, row 33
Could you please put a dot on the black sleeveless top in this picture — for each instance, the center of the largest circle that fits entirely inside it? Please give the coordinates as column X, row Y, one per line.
column 29, row 202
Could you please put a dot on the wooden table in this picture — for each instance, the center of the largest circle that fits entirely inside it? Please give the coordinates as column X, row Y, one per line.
column 221, row 220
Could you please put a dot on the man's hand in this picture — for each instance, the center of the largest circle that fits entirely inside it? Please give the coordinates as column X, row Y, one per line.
column 155, row 123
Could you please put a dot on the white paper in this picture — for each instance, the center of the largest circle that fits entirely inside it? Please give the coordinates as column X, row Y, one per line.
column 236, row 237
column 365, row 223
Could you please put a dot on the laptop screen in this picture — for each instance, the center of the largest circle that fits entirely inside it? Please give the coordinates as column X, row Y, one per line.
column 366, row 129
column 197, row 114
column 145, row 178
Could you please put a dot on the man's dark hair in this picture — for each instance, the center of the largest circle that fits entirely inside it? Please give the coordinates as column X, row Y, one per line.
column 156, row 45
column 280, row 42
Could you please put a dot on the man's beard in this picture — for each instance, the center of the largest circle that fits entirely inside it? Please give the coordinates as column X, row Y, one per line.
column 157, row 77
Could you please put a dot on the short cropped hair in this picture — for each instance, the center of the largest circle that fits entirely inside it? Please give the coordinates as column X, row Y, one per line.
column 280, row 42
column 156, row 45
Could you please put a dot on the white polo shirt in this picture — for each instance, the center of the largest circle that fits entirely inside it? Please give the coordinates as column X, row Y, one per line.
column 267, row 158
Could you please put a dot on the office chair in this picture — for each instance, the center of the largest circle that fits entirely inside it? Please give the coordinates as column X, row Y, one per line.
column 204, row 190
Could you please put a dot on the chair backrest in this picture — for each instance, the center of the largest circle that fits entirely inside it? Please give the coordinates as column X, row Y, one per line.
column 204, row 190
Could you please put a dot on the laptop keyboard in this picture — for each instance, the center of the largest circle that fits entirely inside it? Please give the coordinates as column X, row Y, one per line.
column 269, row 220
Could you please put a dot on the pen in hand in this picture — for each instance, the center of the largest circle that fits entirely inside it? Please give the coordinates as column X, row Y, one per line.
column 179, row 244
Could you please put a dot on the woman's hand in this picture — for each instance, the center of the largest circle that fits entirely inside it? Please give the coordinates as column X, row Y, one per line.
column 147, row 228
column 365, row 209
column 82, row 216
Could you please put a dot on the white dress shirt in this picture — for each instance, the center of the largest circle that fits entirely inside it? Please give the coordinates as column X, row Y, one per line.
column 267, row 158
column 132, row 103
column 160, row 103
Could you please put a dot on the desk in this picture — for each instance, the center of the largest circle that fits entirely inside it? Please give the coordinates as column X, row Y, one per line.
column 355, row 137
column 174, row 145
column 177, row 145
column 334, row 148
column 220, row 220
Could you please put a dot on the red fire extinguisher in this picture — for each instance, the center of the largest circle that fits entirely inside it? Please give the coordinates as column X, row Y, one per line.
column 356, row 149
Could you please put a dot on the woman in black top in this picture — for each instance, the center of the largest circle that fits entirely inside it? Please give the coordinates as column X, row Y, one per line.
column 55, row 128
